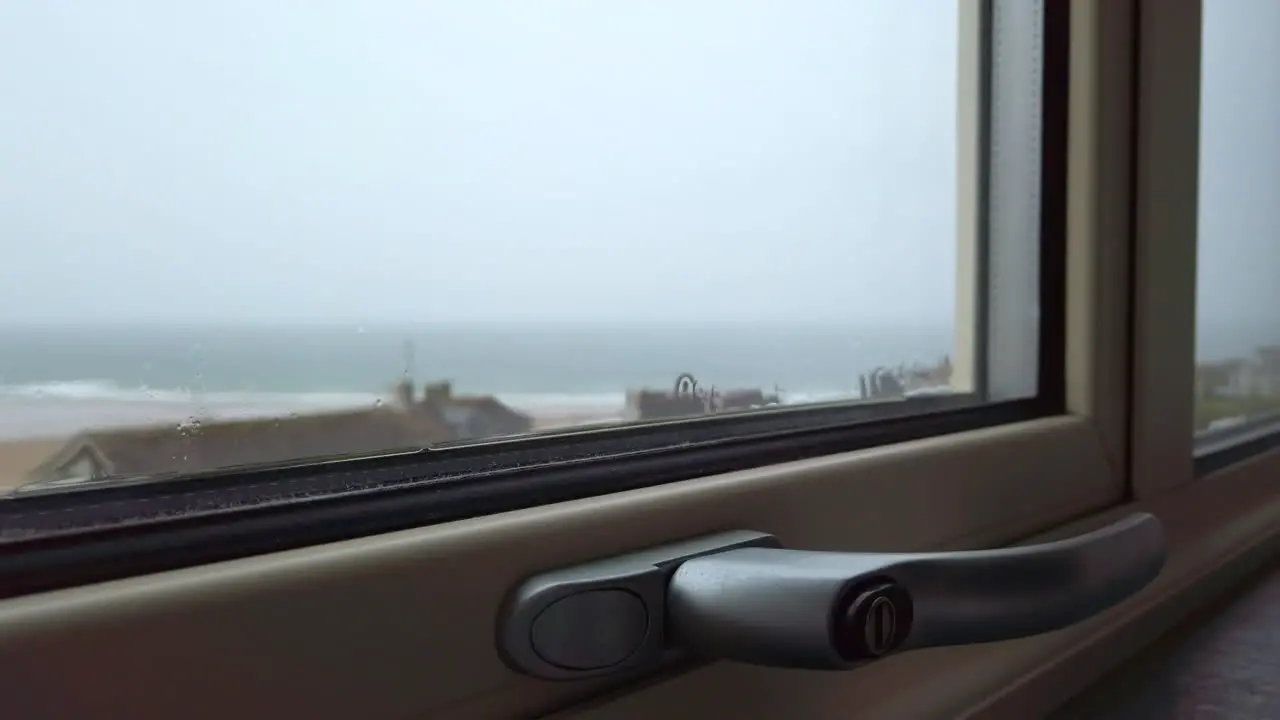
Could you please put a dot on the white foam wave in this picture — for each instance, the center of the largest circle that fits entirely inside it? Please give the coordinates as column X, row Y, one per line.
column 60, row 408
column 106, row 390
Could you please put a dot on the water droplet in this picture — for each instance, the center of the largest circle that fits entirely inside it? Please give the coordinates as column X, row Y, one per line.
column 360, row 330
column 377, row 402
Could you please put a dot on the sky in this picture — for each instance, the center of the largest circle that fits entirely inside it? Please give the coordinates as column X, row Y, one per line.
column 513, row 160
column 477, row 159
column 1238, row 267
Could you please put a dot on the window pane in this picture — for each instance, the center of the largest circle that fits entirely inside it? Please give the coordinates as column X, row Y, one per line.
column 1238, row 333
column 246, row 232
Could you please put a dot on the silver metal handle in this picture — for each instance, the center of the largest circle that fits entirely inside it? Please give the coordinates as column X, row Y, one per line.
column 740, row 596
column 795, row 608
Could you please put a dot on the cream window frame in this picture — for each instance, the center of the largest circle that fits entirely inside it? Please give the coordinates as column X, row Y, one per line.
column 401, row 625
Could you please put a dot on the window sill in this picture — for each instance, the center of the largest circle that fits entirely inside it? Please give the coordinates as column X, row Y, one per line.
column 417, row 607
column 1219, row 530
column 1215, row 450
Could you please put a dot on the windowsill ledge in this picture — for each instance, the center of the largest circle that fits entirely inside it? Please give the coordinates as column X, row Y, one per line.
column 1220, row 529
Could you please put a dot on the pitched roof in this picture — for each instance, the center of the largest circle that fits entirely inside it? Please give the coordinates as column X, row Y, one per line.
column 486, row 404
column 218, row 444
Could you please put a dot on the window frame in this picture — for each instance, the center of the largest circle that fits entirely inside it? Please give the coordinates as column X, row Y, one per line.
column 108, row 530
column 1217, row 450
column 1166, row 193
column 1221, row 449
column 1167, row 452
column 427, row 596
column 400, row 625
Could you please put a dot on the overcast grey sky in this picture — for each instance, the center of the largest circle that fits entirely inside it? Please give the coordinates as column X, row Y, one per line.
column 521, row 159
column 1239, row 233
column 413, row 159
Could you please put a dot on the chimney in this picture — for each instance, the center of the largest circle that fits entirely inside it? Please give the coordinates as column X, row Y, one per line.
column 438, row 392
column 404, row 393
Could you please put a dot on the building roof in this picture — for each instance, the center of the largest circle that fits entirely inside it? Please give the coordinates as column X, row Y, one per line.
column 745, row 398
column 478, row 416
column 1269, row 354
column 656, row 404
column 471, row 416
column 218, row 444
column 485, row 404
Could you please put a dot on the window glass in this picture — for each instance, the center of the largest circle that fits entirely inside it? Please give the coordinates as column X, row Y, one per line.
column 252, row 232
column 1238, row 334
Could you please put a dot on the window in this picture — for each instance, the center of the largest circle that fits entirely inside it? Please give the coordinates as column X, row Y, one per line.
column 516, row 252
column 999, row 456
column 1237, row 382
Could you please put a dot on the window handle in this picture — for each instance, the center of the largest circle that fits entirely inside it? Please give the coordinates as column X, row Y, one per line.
column 740, row 596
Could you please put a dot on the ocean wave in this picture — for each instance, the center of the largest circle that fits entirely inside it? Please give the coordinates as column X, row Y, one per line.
column 99, row 390
column 110, row 391
column 57, row 409
column 107, row 390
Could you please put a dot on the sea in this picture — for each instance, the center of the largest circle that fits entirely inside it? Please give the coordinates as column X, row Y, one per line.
column 57, row 380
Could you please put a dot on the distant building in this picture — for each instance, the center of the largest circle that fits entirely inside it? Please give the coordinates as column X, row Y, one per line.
column 1254, row 377
column 168, row 448
column 1268, row 366
column 906, row 381
column 438, row 416
column 881, row 383
column 471, row 417
column 686, row 399
column 1219, row 379
column 743, row 399
column 646, row 404
column 1269, row 358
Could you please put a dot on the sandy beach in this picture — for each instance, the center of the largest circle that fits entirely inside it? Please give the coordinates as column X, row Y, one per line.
column 21, row 456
